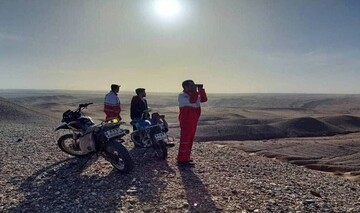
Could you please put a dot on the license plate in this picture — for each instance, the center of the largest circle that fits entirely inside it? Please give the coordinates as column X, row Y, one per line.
column 160, row 136
column 113, row 133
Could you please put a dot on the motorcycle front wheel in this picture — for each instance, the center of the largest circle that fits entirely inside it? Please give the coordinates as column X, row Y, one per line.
column 135, row 138
column 160, row 149
column 70, row 146
column 119, row 157
column 143, row 141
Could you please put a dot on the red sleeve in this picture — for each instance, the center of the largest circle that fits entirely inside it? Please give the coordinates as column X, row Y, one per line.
column 193, row 97
column 203, row 96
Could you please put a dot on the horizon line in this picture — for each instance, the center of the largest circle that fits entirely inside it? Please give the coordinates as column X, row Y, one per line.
column 215, row 93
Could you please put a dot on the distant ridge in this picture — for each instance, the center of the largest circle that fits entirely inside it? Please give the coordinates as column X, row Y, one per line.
column 346, row 122
column 307, row 126
column 10, row 111
column 296, row 127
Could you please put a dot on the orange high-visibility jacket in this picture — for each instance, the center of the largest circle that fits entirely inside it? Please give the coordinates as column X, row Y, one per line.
column 189, row 104
column 112, row 107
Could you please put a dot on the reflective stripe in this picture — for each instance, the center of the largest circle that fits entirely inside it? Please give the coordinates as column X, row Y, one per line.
column 184, row 101
column 111, row 105
column 112, row 99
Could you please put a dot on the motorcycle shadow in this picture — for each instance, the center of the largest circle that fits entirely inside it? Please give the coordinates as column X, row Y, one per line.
column 62, row 187
column 150, row 172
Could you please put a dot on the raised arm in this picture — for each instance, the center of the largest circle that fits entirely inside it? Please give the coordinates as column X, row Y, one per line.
column 203, row 96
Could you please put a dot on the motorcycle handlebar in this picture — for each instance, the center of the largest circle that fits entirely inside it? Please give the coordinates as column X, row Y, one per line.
column 81, row 106
column 84, row 105
column 147, row 111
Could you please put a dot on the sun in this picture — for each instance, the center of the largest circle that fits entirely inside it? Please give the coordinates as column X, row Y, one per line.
column 167, row 8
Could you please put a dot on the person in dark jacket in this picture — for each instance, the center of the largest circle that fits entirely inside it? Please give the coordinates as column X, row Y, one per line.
column 138, row 105
column 137, row 108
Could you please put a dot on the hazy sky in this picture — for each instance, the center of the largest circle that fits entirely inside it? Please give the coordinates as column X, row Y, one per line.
column 310, row 46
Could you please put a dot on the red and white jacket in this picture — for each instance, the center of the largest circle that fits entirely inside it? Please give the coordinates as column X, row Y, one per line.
column 112, row 107
column 189, row 104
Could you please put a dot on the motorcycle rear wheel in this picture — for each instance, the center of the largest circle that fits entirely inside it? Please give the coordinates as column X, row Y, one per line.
column 119, row 157
column 70, row 146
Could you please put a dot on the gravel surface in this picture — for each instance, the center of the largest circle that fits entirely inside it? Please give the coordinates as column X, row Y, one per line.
column 37, row 177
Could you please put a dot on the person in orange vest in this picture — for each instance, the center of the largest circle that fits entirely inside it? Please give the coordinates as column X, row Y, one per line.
column 112, row 106
column 189, row 103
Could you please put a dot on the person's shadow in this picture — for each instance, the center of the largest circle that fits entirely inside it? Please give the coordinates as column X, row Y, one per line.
column 152, row 170
column 62, row 186
column 197, row 195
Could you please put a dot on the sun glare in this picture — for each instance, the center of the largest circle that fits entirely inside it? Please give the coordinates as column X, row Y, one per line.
column 168, row 8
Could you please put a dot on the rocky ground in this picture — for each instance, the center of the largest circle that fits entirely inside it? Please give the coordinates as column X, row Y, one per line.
column 37, row 177
column 339, row 154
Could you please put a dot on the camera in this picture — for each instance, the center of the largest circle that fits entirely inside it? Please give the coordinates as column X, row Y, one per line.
column 199, row 85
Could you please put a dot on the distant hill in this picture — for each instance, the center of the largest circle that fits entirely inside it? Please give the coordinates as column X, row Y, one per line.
column 10, row 111
column 295, row 127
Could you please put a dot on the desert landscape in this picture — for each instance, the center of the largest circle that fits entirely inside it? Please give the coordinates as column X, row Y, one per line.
column 253, row 153
column 280, row 131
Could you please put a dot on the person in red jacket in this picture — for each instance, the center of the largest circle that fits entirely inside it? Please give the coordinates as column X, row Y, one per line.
column 112, row 107
column 190, row 110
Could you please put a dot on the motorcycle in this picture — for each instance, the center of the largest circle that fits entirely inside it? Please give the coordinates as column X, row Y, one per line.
column 151, row 133
column 87, row 138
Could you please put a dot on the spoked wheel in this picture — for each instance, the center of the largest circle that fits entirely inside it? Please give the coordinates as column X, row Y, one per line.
column 147, row 141
column 160, row 149
column 69, row 145
column 119, row 157
column 144, row 141
column 135, row 138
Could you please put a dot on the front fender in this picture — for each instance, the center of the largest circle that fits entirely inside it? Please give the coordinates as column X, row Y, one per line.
column 63, row 126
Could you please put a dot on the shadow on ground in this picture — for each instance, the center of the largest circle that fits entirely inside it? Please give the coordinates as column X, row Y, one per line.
column 62, row 187
column 197, row 195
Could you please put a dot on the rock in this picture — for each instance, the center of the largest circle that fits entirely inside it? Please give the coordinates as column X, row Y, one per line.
column 131, row 191
column 315, row 193
column 309, row 201
column 272, row 201
column 147, row 209
column 185, row 205
column 132, row 202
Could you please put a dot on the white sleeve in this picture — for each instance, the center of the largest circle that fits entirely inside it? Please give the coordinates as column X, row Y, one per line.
column 184, row 100
column 112, row 99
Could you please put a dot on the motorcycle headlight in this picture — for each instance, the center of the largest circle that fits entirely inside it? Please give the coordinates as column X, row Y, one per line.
column 115, row 120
